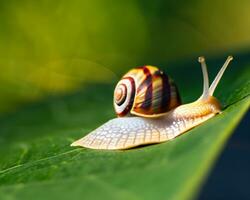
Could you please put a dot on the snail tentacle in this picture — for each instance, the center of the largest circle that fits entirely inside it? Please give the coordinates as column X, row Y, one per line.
column 219, row 75
column 205, row 78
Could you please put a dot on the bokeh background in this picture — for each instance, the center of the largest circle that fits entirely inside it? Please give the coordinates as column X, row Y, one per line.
column 56, row 48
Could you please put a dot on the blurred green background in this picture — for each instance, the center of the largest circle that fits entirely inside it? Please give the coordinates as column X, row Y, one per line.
column 56, row 47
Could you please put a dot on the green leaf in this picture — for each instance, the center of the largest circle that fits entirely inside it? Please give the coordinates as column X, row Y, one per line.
column 37, row 161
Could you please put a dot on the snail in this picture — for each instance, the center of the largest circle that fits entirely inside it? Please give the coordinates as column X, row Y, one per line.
column 149, row 110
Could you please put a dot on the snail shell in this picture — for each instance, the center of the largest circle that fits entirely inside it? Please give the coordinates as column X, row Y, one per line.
column 145, row 91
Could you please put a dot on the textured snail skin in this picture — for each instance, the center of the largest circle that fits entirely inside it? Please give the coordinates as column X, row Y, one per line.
column 129, row 132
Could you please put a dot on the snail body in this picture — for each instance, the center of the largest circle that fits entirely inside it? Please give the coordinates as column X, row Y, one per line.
column 149, row 110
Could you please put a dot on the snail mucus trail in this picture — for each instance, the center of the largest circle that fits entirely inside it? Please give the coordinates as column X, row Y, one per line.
column 149, row 110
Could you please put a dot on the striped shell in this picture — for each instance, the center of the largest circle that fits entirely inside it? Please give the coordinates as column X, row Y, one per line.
column 145, row 91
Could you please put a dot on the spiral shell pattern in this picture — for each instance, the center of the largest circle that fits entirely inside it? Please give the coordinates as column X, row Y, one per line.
column 124, row 95
column 145, row 91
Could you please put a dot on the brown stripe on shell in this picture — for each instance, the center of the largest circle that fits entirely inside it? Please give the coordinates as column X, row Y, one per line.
column 175, row 99
column 147, row 82
column 165, row 94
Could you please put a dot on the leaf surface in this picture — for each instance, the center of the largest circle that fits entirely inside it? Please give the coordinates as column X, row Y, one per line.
column 37, row 161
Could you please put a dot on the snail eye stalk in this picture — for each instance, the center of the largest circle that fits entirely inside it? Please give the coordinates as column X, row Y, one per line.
column 219, row 75
column 205, row 93
column 208, row 91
